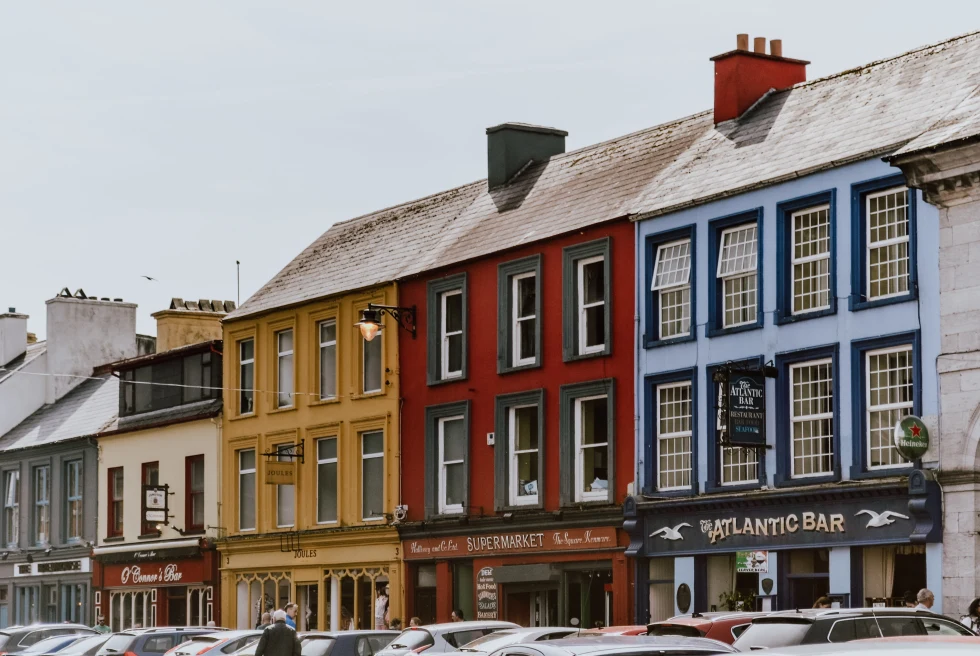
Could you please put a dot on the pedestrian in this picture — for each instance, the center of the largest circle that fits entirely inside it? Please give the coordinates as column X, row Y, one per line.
column 395, row 624
column 381, row 609
column 415, row 621
column 101, row 627
column 822, row 602
column 457, row 616
column 925, row 598
column 279, row 639
column 346, row 619
column 972, row 618
column 909, row 597
column 265, row 622
column 290, row 610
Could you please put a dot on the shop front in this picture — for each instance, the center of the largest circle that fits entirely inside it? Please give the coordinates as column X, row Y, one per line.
column 861, row 544
column 168, row 584
column 537, row 576
column 341, row 580
column 45, row 589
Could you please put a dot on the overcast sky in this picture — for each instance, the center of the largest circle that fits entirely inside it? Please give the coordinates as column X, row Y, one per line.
column 171, row 139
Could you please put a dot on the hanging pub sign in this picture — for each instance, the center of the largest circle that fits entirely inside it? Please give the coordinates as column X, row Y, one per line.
column 911, row 438
column 280, row 473
column 745, row 407
column 156, row 508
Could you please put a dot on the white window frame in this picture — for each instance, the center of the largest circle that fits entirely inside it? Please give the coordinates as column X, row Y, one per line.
column 662, row 437
column 371, row 456
column 809, row 259
column 74, row 498
column 869, row 245
column 445, row 334
column 281, row 358
column 242, row 363
column 869, row 409
column 42, row 506
column 242, row 472
column 807, row 418
column 580, row 265
column 744, row 272
column 748, row 457
column 516, row 319
column 445, row 508
column 327, row 461
column 513, row 477
column 284, row 457
column 672, row 285
column 325, row 344
column 11, row 524
column 365, row 345
column 580, row 493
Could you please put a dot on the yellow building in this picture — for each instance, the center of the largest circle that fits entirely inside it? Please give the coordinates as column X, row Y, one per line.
column 301, row 380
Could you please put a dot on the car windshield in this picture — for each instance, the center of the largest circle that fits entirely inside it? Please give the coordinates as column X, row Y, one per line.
column 674, row 630
column 317, row 645
column 248, row 650
column 84, row 645
column 772, row 634
column 117, row 643
column 491, row 641
column 197, row 644
column 412, row 639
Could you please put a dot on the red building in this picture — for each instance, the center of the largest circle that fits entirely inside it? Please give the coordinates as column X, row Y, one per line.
column 518, row 446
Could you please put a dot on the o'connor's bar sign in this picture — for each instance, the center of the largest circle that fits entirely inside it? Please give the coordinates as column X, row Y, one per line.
column 493, row 544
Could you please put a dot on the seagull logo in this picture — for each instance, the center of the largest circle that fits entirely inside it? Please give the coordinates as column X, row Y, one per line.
column 883, row 519
column 668, row 533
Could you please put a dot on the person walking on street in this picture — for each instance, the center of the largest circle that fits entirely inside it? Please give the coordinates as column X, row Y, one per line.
column 290, row 610
column 972, row 618
column 279, row 639
column 265, row 622
column 925, row 598
column 457, row 616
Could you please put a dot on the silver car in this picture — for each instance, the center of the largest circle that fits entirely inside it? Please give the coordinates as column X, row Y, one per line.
column 506, row 637
column 216, row 644
column 619, row 646
column 441, row 638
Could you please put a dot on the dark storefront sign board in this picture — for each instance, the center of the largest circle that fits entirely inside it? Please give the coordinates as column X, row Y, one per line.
column 807, row 522
column 155, row 574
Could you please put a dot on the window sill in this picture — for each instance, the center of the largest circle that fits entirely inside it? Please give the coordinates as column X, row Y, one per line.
column 523, row 367
column 857, row 306
column 858, row 472
column 329, row 401
column 783, row 481
column 115, row 538
column 720, row 332
column 249, row 415
column 671, row 494
column 781, row 319
column 153, row 535
column 197, row 530
column 279, row 411
column 586, row 356
column 586, row 504
column 367, row 395
column 435, row 382
column 649, row 343
column 518, row 507
column 712, row 488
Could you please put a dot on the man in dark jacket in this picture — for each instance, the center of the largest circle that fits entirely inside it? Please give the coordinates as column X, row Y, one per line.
column 279, row 639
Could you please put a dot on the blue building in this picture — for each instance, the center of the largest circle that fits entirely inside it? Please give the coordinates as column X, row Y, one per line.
column 781, row 243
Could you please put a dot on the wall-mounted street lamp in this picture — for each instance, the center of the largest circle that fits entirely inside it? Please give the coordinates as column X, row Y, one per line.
column 370, row 323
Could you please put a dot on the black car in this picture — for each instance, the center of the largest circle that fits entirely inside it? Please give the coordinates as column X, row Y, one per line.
column 820, row 626
column 345, row 643
column 150, row 642
column 14, row 640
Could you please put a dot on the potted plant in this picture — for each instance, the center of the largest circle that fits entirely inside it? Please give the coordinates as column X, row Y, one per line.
column 737, row 600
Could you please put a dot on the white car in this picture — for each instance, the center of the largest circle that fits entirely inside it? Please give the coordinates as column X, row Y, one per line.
column 507, row 637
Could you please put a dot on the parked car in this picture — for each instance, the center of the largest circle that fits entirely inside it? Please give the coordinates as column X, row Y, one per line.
column 16, row 639
column 441, row 638
column 87, row 645
column 625, row 630
column 494, row 641
column 618, row 646
column 345, row 643
column 816, row 626
column 876, row 648
column 216, row 644
column 151, row 642
column 52, row 645
column 725, row 626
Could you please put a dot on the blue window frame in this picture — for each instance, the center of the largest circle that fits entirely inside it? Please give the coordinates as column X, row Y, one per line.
column 653, row 384
column 894, row 355
column 807, row 409
column 887, row 285
column 720, row 231
column 806, row 257
column 672, row 243
column 722, row 473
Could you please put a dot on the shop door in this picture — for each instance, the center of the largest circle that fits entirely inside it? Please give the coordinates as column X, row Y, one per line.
column 531, row 607
column 177, row 606
column 807, row 578
column 307, row 597
column 425, row 605
column 585, row 597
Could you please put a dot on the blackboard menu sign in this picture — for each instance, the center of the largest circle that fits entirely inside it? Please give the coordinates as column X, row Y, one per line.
column 486, row 595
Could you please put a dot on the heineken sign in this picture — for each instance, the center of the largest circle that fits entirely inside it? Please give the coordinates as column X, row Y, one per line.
column 746, row 408
column 911, row 438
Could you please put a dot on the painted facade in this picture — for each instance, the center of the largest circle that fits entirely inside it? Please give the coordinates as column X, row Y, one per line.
column 525, row 528
column 326, row 541
column 846, row 367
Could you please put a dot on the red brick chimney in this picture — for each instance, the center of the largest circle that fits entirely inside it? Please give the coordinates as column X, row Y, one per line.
column 743, row 76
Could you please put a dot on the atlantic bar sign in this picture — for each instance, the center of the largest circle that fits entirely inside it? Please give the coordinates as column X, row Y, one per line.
column 870, row 519
column 746, row 407
column 494, row 544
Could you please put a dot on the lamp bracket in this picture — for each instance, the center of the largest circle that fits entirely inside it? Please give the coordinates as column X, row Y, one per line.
column 404, row 316
column 289, row 450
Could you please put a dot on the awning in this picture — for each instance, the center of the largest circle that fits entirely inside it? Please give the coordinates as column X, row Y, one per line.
column 148, row 551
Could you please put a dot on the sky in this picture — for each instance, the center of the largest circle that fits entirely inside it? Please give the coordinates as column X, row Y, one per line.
column 171, row 139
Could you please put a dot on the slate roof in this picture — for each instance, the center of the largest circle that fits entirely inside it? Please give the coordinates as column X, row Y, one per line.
column 961, row 124
column 33, row 352
column 86, row 410
column 862, row 113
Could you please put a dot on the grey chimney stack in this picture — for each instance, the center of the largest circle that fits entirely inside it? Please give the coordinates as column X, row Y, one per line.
column 512, row 146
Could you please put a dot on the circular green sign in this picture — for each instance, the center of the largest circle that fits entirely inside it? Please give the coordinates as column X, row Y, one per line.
column 911, row 437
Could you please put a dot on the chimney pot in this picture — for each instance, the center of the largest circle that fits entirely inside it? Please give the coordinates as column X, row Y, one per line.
column 776, row 47
column 742, row 42
column 742, row 77
column 759, row 45
column 118, row 300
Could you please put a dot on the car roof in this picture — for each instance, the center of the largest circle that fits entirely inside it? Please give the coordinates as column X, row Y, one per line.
column 813, row 614
column 687, row 620
column 579, row 645
column 337, row 634
column 862, row 647
column 462, row 626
